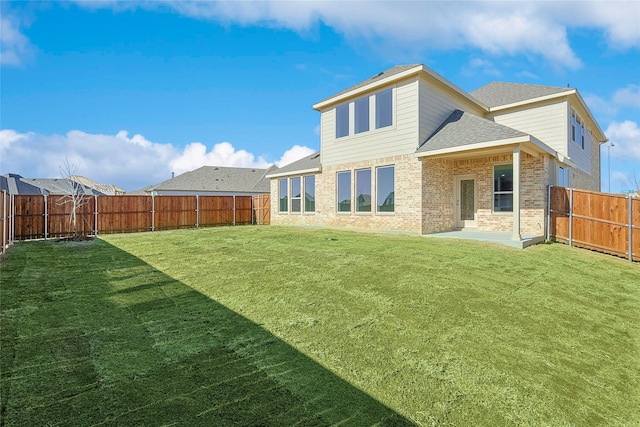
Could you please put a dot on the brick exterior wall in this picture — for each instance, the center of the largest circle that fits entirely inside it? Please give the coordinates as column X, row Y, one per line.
column 408, row 201
column 425, row 196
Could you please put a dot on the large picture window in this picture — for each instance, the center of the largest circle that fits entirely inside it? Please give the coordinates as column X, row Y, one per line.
column 310, row 193
column 295, row 194
column 344, row 191
column 283, row 195
column 384, row 108
column 342, row 120
column 503, row 188
column 363, row 190
column 385, row 185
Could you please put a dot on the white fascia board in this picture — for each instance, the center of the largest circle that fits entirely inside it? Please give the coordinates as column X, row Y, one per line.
column 532, row 100
column 298, row 172
column 593, row 119
column 367, row 88
column 540, row 147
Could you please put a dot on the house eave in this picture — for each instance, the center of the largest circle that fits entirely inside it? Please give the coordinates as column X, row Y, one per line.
column 532, row 100
column 296, row 172
column 528, row 144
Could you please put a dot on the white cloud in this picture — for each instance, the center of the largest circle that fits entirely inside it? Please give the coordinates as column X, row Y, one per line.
column 195, row 155
column 128, row 162
column 625, row 137
column 15, row 47
column 496, row 28
column 628, row 96
column 296, row 152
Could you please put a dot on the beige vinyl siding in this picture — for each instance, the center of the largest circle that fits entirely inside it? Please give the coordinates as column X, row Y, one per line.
column 400, row 138
column 436, row 104
column 546, row 122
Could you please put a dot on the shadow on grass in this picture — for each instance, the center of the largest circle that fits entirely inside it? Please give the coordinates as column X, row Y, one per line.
column 95, row 336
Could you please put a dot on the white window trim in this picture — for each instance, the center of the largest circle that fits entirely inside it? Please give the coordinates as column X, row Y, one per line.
column 372, row 116
column 375, row 179
column 494, row 192
column 372, row 199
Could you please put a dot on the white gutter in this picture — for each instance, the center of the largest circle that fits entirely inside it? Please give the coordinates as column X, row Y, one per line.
column 296, row 172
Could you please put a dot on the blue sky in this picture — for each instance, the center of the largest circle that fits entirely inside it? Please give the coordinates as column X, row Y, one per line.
column 130, row 91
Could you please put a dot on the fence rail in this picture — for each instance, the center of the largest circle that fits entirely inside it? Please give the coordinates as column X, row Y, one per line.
column 26, row 217
column 603, row 222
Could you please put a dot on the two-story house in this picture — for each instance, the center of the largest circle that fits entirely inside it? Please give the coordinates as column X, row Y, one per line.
column 408, row 150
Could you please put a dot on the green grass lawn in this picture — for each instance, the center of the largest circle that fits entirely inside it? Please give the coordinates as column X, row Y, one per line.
column 287, row 326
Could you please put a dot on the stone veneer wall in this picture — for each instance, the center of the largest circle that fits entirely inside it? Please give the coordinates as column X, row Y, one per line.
column 408, row 201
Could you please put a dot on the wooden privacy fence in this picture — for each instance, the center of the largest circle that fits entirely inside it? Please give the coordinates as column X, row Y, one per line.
column 603, row 222
column 26, row 217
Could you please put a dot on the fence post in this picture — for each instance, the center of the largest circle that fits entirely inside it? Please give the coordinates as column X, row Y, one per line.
column 12, row 230
column 234, row 210
column 549, row 187
column 630, row 228
column 197, row 212
column 252, row 209
column 153, row 212
column 571, row 217
column 5, row 229
column 95, row 216
column 46, row 218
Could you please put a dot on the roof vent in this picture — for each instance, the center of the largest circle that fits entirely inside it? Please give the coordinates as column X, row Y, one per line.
column 378, row 75
column 316, row 156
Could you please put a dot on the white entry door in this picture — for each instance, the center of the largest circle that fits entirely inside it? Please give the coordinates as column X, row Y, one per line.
column 466, row 211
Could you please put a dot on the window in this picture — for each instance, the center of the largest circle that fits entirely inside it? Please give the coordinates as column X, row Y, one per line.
column 385, row 189
column 362, row 115
column 573, row 125
column 384, row 108
column 363, row 190
column 563, row 177
column 344, row 191
column 342, row 120
column 295, row 194
column 503, row 188
column 310, row 193
column 283, row 195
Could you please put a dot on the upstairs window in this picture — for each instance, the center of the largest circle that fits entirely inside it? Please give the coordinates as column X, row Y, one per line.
column 362, row 111
column 578, row 129
column 384, row 108
column 362, row 115
column 342, row 120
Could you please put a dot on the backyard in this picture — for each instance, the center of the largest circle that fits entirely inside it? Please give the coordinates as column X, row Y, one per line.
column 291, row 326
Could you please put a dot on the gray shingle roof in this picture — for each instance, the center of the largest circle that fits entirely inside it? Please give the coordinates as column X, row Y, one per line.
column 499, row 93
column 461, row 129
column 383, row 75
column 16, row 184
column 306, row 163
column 214, row 178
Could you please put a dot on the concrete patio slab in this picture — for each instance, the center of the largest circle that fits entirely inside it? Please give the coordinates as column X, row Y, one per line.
column 501, row 238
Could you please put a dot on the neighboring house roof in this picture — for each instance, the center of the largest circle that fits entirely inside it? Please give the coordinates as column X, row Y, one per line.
column 16, row 184
column 61, row 186
column 307, row 164
column 103, row 188
column 462, row 131
column 13, row 184
column 499, row 93
column 217, row 179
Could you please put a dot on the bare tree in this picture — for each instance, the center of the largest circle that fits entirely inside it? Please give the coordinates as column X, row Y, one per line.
column 72, row 194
